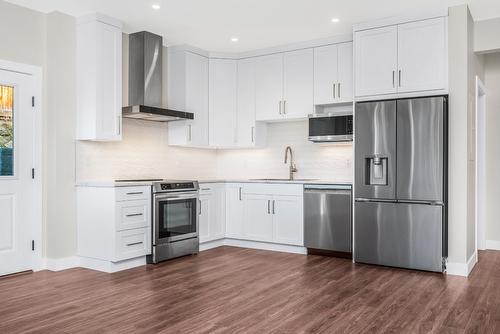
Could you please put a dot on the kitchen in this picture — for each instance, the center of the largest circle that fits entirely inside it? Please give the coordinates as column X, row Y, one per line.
column 255, row 126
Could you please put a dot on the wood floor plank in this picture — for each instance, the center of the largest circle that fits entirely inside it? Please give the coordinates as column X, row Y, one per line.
column 236, row 290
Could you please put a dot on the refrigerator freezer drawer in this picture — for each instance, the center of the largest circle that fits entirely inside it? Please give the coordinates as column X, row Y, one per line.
column 399, row 235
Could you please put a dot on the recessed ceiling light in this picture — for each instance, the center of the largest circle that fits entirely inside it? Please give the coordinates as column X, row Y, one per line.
column 155, row 6
column 234, row 39
column 335, row 20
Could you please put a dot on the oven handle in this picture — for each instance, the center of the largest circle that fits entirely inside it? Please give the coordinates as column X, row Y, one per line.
column 175, row 197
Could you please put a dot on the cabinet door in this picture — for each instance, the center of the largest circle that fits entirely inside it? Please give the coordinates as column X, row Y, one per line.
column 197, row 99
column 258, row 220
column 325, row 74
column 422, row 52
column 205, row 217
column 298, row 83
column 268, row 87
column 109, row 81
column 288, row 221
column 246, row 102
column 376, row 61
column 234, row 211
column 345, row 82
column 223, row 89
column 218, row 209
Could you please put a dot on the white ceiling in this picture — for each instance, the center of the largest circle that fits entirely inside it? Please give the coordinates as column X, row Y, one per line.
column 210, row 24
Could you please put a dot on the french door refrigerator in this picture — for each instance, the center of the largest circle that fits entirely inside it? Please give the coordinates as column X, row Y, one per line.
column 401, row 183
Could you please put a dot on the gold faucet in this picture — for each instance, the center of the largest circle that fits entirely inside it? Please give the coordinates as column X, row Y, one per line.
column 293, row 168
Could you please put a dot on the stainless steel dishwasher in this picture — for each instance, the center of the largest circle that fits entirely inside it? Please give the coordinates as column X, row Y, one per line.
column 327, row 219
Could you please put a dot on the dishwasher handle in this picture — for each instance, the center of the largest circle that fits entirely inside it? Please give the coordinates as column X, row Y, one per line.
column 329, row 191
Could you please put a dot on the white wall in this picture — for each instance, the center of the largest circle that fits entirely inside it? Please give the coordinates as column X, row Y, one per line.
column 318, row 161
column 492, row 82
column 59, row 138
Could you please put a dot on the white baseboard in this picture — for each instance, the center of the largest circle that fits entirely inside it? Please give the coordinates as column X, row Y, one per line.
column 493, row 244
column 253, row 245
column 111, row 267
column 62, row 263
column 461, row 269
column 211, row 244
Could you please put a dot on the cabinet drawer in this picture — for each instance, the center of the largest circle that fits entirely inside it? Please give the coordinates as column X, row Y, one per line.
column 132, row 193
column 133, row 243
column 132, row 214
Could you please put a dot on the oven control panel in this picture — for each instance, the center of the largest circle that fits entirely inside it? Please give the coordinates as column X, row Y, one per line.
column 175, row 186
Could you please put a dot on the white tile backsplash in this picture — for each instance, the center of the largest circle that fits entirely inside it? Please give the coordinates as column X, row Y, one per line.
column 144, row 153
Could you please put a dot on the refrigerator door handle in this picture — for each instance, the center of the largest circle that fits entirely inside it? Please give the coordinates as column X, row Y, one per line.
column 421, row 202
column 369, row 200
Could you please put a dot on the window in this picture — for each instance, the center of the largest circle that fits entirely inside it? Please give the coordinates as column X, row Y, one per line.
column 6, row 130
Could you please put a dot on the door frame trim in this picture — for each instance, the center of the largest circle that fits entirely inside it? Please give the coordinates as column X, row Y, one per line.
column 36, row 73
column 480, row 113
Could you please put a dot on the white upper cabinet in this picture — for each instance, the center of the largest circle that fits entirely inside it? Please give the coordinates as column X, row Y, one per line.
column 250, row 133
column 403, row 58
column 346, row 73
column 269, row 87
column 284, row 85
column 223, row 102
column 376, row 61
column 422, row 55
column 99, row 78
column 333, row 73
column 298, row 84
column 188, row 91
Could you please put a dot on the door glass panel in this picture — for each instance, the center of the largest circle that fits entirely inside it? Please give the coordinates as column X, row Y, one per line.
column 6, row 131
column 177, row 217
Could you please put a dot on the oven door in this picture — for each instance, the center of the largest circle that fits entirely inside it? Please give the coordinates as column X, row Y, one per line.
column 175, row 217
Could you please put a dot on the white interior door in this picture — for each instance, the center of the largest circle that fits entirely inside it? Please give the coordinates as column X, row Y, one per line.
column 17, row 199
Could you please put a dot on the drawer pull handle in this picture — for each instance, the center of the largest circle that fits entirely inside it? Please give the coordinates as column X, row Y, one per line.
column 136, row 193
column 134, row 214
column 134, row 243
column 205, row 189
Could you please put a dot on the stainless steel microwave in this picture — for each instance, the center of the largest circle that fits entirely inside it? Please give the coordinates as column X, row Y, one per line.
column 330, row 128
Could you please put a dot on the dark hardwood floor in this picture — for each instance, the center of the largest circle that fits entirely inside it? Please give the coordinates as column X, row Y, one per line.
column 235, row 290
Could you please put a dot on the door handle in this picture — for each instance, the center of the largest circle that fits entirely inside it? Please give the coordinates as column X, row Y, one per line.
column 199, row 211
column 333, row 90
column 239, row 193
column 268, row 206
column 279, row 105
column 189, row 132
column 399, row 78
column 253, row 134
column 393, row 79
column 135, row 193
column 273, row 206
column 338, row 86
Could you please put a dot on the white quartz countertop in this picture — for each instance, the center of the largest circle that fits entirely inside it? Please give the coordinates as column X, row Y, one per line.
column 113, row 183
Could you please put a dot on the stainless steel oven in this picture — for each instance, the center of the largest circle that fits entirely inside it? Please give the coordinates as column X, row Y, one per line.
column 175, row 219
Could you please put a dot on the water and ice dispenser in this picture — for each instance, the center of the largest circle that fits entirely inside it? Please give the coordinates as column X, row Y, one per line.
column 376, row 171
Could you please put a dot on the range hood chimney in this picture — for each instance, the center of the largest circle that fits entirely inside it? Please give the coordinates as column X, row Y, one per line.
column 145, row 80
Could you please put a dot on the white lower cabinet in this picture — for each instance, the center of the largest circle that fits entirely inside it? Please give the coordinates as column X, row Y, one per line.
column 287, row 220
column 114, row 223
column 234, row 210
column 258, row 220
column 212, row 212
column 274, row 213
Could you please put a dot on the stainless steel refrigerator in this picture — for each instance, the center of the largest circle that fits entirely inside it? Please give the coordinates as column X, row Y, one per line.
column 401, row 183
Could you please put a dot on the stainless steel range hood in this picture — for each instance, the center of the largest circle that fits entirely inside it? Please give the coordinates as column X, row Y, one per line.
column 145, row 81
